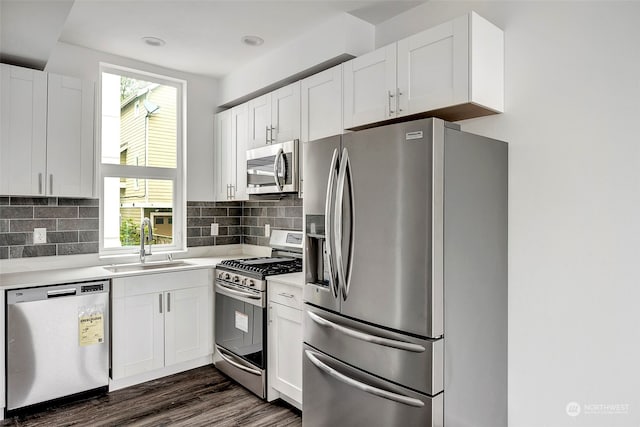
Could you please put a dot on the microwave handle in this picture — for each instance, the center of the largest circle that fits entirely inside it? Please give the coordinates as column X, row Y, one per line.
column 276, row 177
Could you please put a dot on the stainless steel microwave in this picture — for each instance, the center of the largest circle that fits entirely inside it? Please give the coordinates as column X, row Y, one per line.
column 273, row 168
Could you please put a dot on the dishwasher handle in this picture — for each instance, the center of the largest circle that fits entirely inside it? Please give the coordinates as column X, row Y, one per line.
column 62, row 293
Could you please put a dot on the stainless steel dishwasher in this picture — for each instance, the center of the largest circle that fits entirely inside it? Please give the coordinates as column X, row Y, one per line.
column 57, row 341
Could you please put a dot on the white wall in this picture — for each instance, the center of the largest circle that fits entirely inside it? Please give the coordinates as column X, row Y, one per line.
column 572, row 102
column 202, row 99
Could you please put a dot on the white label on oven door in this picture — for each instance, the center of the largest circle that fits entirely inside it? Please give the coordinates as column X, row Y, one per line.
column 242, row 321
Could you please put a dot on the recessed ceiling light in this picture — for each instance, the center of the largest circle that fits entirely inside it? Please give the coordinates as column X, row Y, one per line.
column 154, row 41
column 252, row 40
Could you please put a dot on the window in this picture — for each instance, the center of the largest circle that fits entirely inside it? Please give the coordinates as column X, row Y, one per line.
column 142, row 156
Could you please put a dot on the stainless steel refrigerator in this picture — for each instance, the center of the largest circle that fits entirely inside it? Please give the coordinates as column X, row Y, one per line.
column 406, row 278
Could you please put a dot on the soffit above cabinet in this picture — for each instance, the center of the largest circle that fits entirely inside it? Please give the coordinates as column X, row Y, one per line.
column 202, row 37
column 29, row 30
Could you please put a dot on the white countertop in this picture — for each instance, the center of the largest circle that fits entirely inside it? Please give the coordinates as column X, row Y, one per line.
column 296, row 279
column 68, row 273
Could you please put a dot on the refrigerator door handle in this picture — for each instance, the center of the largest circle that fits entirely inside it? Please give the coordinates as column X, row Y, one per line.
column 276, row 168
column 328, row 224
column 387, row 342
column 344, row 276
column 399, row 398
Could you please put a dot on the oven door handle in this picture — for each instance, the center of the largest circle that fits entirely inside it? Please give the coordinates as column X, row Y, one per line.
column 395, row 397
column 223, row 288
column 227, row 358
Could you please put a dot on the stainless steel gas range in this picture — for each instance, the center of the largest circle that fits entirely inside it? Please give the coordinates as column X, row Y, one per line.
column 241, row 309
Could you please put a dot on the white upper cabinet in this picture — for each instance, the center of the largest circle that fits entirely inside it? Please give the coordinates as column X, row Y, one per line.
column 285, row 113
column 453, row 71
column 23, row 131
column 222, row 151
column 369, row 85
column 230, row 147
column 321, row 104
column 70, row 148
column 259, row 121
column 275, row 116
column 46, row 142
column 433, row 68
column 239, row 137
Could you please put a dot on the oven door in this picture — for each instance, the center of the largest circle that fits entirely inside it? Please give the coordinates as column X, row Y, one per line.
column 240, row 331
column 273, row 168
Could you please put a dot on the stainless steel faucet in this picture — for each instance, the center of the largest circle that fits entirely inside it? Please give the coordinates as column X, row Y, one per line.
column 143, row 252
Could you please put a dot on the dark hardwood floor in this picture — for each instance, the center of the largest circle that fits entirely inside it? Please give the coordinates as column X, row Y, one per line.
column 200, row 397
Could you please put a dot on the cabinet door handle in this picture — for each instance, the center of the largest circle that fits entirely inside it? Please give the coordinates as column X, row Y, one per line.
column 40, row 183
column 286, row 295
column 168, row 302
column 271, row 129
column 398, row 93
column 390, row 95
column 160, row 299
column 50, row 183
column 266, row 135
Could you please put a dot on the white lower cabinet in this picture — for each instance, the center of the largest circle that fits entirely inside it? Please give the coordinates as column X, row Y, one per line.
column 162, row 324
column 284, row 343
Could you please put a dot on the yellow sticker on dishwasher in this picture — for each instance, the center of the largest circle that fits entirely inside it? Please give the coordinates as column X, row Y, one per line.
column 242, row 321
column 91, row 329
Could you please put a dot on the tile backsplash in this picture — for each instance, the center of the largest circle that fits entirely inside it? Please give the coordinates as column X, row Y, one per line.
column 200, row 216
column 283, row 214
column 72, row 224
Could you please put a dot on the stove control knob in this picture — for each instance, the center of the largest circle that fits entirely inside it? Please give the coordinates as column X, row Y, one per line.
column 252, row 283
column 227, row 276
column 220, row 275
column 236, row 279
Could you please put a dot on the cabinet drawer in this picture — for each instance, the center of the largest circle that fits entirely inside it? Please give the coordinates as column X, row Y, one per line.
column 160, row 282
column 285, row 294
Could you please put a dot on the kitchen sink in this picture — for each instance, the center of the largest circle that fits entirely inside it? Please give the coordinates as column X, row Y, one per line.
column 156, row 265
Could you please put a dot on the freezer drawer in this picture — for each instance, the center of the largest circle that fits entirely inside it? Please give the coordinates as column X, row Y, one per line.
column 337, row 394
column 414, row 362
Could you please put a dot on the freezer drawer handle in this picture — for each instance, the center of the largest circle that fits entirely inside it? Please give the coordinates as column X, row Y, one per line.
column 61, row 293
column 236, row 364
column 361, row 386
column 401, row 345
column 238, row 293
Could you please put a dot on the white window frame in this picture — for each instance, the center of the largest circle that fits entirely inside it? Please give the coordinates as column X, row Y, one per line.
column 177, row 175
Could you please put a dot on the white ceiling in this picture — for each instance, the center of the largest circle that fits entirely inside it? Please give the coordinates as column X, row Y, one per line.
column 202, row 36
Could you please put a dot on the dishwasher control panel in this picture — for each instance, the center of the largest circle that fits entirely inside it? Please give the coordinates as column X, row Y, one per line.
column 92, row 288
column 36, row 293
